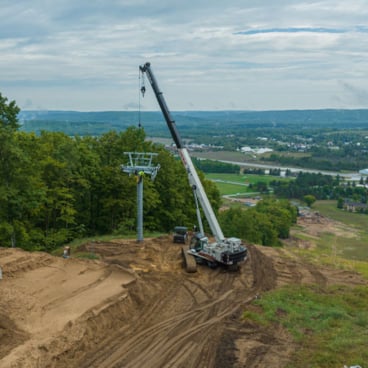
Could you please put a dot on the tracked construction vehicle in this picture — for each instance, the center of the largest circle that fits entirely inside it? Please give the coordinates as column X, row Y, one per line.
column 180, row 234
column 228, row 252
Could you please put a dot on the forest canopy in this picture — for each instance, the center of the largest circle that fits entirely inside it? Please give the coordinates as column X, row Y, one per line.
column 55, row 188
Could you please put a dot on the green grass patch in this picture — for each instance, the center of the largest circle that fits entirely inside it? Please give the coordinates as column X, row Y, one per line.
column 86, row 255
column 329, row 209
column 286, row 154
column 358, row 266
column 221, row 155
column 232, row 189
column 329, row 256
column 353, row 245
column 355, row 248
column 330, row 325
column 233, row 184
column 304, row 236
column 244, row 179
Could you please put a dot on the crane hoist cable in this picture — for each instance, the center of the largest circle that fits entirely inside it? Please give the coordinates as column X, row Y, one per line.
column 142, row 90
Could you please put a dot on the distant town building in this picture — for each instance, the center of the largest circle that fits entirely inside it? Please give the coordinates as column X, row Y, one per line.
column 258, row 151
column 355, row 206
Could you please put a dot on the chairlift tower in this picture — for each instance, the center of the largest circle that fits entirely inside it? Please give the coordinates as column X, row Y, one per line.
column 140, row 164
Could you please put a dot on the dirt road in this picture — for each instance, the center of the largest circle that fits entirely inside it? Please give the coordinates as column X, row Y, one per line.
column 138, row 308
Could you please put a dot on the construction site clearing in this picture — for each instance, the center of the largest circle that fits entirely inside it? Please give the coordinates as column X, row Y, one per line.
column 136, row 307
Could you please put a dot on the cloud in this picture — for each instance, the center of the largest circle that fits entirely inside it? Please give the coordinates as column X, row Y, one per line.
column 291, row 30
column 65, row 54
column 322, row 30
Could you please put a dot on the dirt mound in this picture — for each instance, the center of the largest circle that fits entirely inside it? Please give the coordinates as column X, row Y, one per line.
column 16, row 261
column 10, row 335
column 138, row 308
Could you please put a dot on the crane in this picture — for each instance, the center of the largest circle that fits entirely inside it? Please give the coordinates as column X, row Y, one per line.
column 224, row 251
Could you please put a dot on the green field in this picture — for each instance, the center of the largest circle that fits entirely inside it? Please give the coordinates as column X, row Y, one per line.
column 329, row 209
column 230, row 184
column 221, row 155
column 352, row 241
column 328, row 323
column 238, row 184
column 287, row 154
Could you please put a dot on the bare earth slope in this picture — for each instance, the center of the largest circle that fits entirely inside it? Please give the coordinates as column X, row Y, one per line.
column 138, row 308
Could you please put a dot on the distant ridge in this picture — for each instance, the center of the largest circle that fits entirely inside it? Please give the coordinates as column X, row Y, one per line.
column 99, row 122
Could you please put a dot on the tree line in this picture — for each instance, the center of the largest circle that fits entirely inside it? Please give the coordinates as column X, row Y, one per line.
column 347, row 158
column 211, row 166
column 55, row 188
column 321, row 187
column 266, row 223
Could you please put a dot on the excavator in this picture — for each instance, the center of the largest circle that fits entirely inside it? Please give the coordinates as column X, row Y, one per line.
column 228, row 252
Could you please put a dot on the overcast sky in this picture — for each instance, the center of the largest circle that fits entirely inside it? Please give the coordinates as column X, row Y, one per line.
column 206, row 54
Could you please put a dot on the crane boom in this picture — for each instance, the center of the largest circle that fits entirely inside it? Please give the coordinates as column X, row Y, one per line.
column 226, row 251
column 185, row 157
column 146, row 68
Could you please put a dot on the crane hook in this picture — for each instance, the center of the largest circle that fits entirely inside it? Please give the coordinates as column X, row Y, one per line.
column 143, row 90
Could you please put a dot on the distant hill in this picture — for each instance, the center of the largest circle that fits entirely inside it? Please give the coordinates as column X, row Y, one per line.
column 197, row 122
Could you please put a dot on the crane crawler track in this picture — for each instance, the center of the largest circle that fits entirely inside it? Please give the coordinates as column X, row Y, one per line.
column 189, row 261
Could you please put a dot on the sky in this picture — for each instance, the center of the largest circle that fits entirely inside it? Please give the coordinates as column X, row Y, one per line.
column 206, row 54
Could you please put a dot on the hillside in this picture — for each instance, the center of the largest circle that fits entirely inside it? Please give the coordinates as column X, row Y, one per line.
column 138, row 308
column 191, row 123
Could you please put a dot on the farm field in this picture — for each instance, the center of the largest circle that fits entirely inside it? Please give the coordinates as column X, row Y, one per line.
column 221, row 155
column 238, row 184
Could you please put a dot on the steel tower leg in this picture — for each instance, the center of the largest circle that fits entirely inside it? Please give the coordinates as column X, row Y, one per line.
column 140, row 210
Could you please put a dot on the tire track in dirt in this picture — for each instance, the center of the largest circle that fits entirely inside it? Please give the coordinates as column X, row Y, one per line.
column 164, row 335
column 167, row 318
column 75, row 293
column 212, row 301
column 20, row 261
column 206, row 302
column 162, row 339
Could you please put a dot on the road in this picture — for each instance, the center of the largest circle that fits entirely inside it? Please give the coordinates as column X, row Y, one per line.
column 349, row 176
